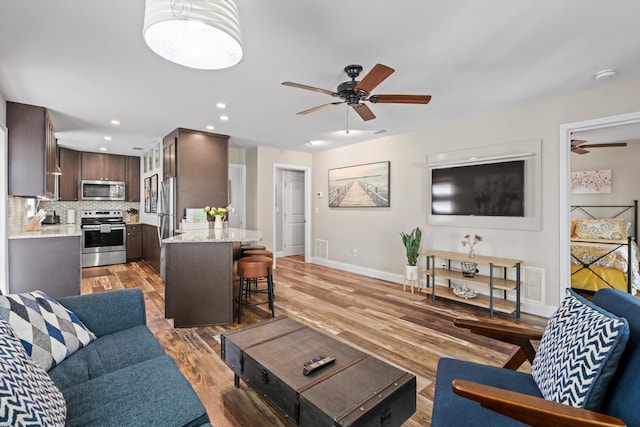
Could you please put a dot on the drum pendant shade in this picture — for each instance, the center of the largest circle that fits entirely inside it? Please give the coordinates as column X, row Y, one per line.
column 200, row 34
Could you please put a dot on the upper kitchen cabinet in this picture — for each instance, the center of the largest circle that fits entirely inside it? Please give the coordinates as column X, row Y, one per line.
column 169, row 155
column 70, row 178
column 132, row 181
column 103, row 167
column 200, row 163
column 31, row 151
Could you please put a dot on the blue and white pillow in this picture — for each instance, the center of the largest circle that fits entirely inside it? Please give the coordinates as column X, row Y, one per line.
column 579, row 353
column 28, row 396
column 47, row 330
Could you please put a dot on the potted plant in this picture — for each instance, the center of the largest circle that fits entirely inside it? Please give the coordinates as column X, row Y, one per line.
column 411, row 243
column 133, row 214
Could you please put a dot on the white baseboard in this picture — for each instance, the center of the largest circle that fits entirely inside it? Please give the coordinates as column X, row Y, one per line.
column 530, row 308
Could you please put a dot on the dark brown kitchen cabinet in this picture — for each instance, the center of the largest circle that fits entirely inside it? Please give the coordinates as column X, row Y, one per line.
column 201, row 164
column 134, row 241
column 70, row 179
column 132, row 181
column 31, row 151
column 169, row 155
column 103, row 167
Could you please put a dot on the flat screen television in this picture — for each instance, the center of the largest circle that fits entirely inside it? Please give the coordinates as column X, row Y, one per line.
column 493, row 189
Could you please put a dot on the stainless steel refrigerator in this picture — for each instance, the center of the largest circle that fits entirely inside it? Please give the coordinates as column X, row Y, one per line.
column 166, row 216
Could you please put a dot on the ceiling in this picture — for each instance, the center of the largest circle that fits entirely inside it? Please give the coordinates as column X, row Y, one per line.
column 87, row 63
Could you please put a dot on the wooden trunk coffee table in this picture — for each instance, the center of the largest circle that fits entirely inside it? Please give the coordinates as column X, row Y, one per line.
column 356, row 390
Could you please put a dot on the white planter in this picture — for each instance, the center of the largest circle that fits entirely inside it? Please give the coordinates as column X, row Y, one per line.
column 411, row 272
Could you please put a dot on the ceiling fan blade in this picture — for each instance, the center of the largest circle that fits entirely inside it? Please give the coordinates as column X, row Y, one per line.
column 400, row 99
column 374, row 78
column 575, row 142
column 579, row 150
column 315, row 89
column 364, row 112
column 608, row 144
column 320, row 107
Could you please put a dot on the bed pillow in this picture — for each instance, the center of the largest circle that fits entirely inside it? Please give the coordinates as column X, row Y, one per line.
column 611, row 228
column 579, row 353
column 574, row 222
column 47, row 330
column 29, row 396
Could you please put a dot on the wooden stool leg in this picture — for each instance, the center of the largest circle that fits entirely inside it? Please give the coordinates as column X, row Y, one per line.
column 240, row 297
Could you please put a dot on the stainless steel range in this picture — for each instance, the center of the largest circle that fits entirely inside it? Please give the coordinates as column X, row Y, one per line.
column 103, row 237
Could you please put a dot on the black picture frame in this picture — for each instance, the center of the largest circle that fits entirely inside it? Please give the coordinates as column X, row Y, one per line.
column 154, row 193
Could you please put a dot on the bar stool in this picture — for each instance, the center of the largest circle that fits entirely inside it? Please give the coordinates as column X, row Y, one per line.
column 251, row 247
column 250, row 269
column 259, row 252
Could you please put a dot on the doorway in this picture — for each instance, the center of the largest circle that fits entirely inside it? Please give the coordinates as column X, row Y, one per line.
column 566, row 132
column 291, row 210
column 3, row 210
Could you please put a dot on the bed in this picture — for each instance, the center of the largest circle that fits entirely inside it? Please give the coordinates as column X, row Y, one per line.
column 604, row 250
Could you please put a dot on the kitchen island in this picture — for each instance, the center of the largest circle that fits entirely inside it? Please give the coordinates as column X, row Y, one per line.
column 48, row 260
column 197, row 268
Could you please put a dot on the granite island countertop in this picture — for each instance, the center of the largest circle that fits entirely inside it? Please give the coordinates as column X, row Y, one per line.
column 216, row 235
column 65, row 230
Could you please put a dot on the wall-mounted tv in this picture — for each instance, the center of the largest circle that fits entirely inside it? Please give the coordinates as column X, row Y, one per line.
column 494, row 189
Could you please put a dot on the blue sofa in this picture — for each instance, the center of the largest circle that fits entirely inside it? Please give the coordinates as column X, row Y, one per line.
column 124, row 377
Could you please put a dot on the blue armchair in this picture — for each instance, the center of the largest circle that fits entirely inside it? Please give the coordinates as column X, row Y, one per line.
column 471, row 394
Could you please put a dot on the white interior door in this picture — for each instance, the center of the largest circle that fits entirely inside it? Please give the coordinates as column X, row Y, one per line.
column 237, row 196
column 293, row 212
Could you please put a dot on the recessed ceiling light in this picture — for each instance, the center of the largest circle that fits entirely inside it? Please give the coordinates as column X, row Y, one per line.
column 115, row 122
column 225, row 118
column 103, row 148
column 605, row 74
column 379, row 131
column 221, row 105
column 137, row 148
column 107, row 138
column 210, row 127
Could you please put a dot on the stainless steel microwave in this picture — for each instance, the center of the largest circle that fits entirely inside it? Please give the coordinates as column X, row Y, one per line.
column 102, row 190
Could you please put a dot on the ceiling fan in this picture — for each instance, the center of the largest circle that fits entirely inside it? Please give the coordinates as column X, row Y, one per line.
column 579, row 146
column 354, row 92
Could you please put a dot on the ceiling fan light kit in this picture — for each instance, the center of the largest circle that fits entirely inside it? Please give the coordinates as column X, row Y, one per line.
column 200, row 34
column 354, row 92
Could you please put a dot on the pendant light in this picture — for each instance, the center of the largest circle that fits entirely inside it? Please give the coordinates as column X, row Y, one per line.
column 200, row 34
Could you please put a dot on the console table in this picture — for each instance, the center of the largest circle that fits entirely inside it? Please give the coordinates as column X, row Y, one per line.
column 451, row 274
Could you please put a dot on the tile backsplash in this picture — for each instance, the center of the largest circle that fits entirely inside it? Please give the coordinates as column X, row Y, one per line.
column 17, row 209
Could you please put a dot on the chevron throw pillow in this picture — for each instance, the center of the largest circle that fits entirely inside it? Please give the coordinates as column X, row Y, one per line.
column 48, row 331
column 28, row 396
column 579, row 353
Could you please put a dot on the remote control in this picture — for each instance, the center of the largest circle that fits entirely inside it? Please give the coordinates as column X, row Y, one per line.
column 317, row 363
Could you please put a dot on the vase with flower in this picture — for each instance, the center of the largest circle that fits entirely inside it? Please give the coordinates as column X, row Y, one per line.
column 216, row 215
column 471, row 243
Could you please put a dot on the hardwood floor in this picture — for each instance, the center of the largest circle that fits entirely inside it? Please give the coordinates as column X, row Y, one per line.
column 404, row 329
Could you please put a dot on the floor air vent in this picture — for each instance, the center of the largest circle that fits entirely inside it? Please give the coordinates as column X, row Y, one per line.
column 322, row 249
column 533, row 284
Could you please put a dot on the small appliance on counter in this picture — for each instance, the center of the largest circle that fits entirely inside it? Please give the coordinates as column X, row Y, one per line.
column 51, row 219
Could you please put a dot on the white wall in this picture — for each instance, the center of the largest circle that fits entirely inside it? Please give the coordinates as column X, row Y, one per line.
column 375, row 231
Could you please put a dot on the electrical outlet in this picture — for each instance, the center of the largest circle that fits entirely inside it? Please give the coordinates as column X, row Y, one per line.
column 354, row 252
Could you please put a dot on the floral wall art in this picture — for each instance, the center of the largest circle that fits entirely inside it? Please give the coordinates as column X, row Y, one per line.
column 590, row 182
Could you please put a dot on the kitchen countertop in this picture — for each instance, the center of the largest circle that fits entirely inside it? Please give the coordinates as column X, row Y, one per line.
column 216, row 235
column 66, row 230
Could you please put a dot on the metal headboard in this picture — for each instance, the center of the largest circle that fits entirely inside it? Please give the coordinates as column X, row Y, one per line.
column 624, row 208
